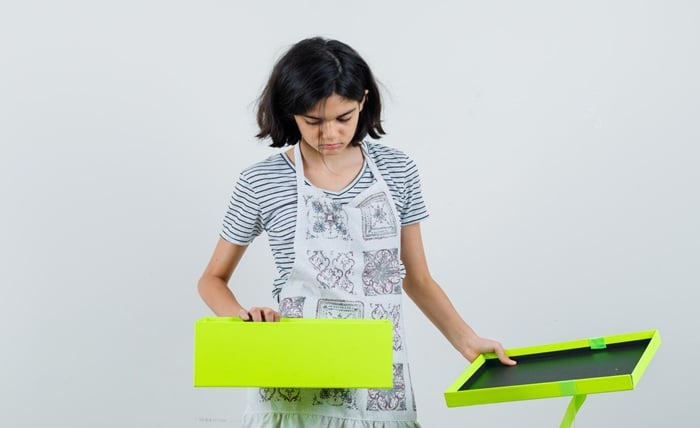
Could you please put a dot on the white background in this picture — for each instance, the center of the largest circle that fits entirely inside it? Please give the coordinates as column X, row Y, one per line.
column 557, row 143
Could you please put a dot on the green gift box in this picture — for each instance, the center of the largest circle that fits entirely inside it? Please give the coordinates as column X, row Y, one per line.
column 295, row 352
column 574, row 368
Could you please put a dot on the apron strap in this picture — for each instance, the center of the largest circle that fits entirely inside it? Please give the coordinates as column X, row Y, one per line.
column 299, row 167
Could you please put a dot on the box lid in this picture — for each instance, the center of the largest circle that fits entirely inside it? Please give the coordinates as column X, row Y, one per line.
column 295, row 352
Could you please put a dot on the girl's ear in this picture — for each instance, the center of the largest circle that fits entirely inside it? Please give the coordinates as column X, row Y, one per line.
column 364, row 98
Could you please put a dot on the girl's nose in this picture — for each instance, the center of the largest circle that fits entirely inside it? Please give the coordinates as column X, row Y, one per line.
column 330, row 129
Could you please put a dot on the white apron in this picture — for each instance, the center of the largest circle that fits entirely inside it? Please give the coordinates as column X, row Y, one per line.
column 347, row 265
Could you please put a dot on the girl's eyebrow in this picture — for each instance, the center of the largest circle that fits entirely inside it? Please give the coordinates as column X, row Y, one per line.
column 308, row 116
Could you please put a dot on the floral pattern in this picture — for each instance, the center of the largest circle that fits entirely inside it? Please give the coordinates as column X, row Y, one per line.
column 392, row 313
column 334, row 269
column 378, row 220
column 382, row 272
column 292, row 307
column 326, row 218
column 288, row 395
column 389, row 399
column 339, row 309
column 338, row 397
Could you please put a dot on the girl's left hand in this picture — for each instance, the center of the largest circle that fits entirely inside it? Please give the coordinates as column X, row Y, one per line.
column 478, row 345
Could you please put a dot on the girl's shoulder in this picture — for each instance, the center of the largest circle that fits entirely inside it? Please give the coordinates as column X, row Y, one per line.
column 383, row 154
column 276, row 164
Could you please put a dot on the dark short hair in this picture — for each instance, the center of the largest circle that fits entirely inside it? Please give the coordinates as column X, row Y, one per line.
column 310, row 71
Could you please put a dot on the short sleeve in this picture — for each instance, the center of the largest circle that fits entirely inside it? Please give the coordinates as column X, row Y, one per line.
column 243, row 221
column 413, row 205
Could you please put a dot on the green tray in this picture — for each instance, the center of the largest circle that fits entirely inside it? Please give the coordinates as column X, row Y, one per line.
column 574, row 368
column 295, row 352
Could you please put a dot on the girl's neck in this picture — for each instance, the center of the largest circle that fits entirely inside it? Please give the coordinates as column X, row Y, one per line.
column 330, row 172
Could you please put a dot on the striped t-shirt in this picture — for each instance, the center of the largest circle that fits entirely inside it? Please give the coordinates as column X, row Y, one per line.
column 265, row 199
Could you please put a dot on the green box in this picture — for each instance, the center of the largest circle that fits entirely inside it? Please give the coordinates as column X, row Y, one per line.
column 574, row 368
column 295, row 352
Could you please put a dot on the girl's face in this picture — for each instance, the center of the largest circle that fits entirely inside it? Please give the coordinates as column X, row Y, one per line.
column 330, row 125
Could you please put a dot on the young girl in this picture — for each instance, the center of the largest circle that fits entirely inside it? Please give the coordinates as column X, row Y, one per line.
column 342, row 216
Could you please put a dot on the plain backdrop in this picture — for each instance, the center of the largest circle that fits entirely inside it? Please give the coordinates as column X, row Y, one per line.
column 557, row 143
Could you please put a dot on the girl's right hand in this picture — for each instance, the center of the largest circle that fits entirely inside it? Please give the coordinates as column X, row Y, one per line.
column 259, row 314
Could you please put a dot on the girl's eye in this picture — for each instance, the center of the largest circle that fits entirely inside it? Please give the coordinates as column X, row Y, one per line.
column 312, row 123
column 344, row 119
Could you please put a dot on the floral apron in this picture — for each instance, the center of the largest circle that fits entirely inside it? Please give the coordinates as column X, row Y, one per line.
column 347, row 265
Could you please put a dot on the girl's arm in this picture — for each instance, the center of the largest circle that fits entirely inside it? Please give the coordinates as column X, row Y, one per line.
column 214, row 290
column 432, row 300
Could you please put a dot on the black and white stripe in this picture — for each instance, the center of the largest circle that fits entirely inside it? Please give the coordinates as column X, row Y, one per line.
column 265, row 199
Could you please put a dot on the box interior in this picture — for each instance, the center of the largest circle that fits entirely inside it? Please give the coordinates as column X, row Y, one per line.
column 556, row 366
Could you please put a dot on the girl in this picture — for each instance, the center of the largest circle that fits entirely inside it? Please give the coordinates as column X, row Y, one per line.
column 342, row 216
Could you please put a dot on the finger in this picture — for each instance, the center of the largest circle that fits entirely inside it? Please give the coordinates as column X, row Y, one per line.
column 256, row 314
column 271, row 315
column 502, row 357
column 245, row 316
